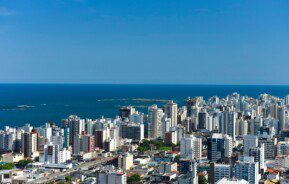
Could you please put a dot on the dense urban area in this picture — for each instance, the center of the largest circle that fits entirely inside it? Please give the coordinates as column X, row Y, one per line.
column 234, row 140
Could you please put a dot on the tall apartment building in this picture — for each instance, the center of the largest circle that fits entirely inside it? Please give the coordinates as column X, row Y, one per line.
column 219, row 147
column 29, row 144
column 171, row 111
column 125, row 161
column 269, row 147
column 76, row 126
column 191, row 147
column 250, row 141
column 219, row 171
column 132, row 131
column 259, row 155
column 246, row 168
column 83, row 143
column 155, row 116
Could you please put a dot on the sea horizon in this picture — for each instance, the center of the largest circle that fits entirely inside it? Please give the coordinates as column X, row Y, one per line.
column 136, row 84
column 39, row 103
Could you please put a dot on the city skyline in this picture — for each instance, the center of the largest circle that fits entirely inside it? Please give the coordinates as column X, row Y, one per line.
column 149, row 42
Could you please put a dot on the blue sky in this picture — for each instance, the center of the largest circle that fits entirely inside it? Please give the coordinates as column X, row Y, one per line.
column 144, row 41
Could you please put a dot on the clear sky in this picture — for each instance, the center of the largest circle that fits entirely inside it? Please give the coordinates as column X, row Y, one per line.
column 144, row 41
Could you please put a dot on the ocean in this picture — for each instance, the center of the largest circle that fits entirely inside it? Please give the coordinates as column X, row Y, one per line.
column 40, row 103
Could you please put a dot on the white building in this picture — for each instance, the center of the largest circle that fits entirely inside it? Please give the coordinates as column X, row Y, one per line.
column 171, row 111
column 191, row 147
column 54, row 155
column 228, row 141
column 155, row 116
column 111, row 176
column 282, row 148
column 250, row 141
column 232, row 181
column 7, row 141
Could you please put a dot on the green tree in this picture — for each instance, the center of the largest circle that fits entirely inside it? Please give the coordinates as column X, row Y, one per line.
column 67, row 178
column 23, row 163
column 135, row 178
column 177, row 158
column 36, row 159
column 202, row 179
column 7, row 166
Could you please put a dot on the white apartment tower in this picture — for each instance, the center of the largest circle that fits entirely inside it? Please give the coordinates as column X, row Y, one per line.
column 191, row 147
column 155, row 127
column 171, row 111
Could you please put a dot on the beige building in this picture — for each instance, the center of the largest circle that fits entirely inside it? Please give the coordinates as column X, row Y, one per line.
column 125, row 161
column 12, row 158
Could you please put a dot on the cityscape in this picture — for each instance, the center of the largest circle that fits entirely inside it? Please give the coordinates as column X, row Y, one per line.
column 144, row 92
column 235, row 139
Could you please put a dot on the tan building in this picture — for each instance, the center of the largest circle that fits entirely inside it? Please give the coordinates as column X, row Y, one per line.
column 12, row 158
column 125, row 161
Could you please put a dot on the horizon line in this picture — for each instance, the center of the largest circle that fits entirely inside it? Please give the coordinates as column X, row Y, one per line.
column 152, row 84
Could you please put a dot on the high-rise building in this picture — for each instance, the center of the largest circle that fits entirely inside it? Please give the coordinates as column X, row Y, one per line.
column 132, row 131
column 246, row 168
column 192, row 102
column 283, row 148
column 218, row 146
column 66, row 137
column 228, row 144
column 286, row 100
column 243, row 128
column 51, row 154
column 136, row 117
column 125, row 161
column 89, row 126
column 87, row 143
column 171, row 111
column 188, row 169
column 76, row 127
column 57, row 140
column 83, row 143
column 274, row 110
column 250, row 141
column 281, row 118
column 232, row 124
column 202, row 121
column 126, row 111
column 269, row 147
column 99, row 137
column 29, row 144
column 155, row 116
column 191, row 147
column 219, row 171
column 259, row 156
column 171, row 137
column 224, row 122
column 7, row 141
